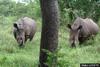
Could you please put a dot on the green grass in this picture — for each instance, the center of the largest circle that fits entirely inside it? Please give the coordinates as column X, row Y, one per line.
column 13, row 56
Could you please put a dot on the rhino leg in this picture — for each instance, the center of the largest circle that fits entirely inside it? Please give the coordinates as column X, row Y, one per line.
column 21, row 45
column 73, row 45
column 81, row 40
column 31, row 36
column 92, row 37
column 26, row 37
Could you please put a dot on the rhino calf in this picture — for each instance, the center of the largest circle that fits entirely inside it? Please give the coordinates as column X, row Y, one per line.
column 23, row 29
column 82, row 30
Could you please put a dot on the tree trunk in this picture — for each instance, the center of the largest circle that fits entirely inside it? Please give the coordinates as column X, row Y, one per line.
column 49, row 36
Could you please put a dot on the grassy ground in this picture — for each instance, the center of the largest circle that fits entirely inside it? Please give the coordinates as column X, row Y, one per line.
column 13, row 56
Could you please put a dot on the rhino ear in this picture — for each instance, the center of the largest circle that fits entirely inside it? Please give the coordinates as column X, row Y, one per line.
column 69, row 26
column 79, row 27
column 15, row 25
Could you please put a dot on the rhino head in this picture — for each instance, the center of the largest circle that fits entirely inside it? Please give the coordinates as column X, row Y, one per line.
column 74, row 34
column 19, row 33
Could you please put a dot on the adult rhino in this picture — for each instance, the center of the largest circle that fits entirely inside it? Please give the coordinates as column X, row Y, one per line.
column 81, row 30
column 23, row 29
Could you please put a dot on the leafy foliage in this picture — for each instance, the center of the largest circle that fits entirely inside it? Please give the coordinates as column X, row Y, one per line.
column 79, row 8
column 10, row 8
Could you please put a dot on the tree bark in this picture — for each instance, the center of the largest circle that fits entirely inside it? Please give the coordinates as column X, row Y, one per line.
column 49, row 35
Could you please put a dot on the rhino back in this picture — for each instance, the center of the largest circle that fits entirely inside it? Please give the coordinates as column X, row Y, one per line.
column 92, row 26
column 88, row 26
column 28, row 24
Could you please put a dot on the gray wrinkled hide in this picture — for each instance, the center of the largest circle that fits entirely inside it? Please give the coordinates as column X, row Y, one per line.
column 89, row 28
column 24, row 29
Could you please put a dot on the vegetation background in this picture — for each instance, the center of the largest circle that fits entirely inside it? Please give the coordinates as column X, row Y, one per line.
column 13, row 56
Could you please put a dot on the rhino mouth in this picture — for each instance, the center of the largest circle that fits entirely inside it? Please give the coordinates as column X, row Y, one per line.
column 73, row 45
